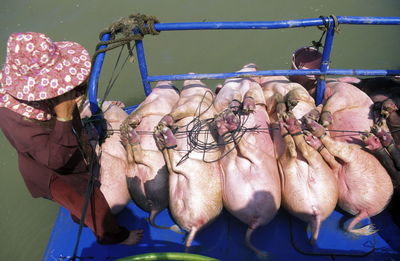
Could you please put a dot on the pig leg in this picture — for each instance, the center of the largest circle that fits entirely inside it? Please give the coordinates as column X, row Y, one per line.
column 344, row 152
column 338, row 149
column 387, row 141
column 313, row 157
column 287, row 138
column 131, row 141
column 226, row 122
column 253, row 97
column 388, row 106
column 337, row 102
column 374, row 145
column 318, row 146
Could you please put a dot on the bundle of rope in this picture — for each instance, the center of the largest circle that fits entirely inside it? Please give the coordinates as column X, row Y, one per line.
column 122, row 32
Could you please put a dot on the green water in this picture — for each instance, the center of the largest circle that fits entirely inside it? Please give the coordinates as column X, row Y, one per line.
column 26, row 223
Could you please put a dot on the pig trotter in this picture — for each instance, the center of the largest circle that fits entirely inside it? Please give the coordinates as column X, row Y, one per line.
column 384, row 136
column 170, row 140
column 164, row 137
column 292, row 124
column 326, row 118
column 234, row 106
column 313, row 141
column 387, row 141
column 249, row 104
column 226, row 122
column 291, row 100
column 312, row 115
column 288, row 139
column 231, row 121
column 220, row 123
column 169, row 121
column 388, row 106
column 129, row 136
column 372, row 143
column 281, row 105
column 316, row 129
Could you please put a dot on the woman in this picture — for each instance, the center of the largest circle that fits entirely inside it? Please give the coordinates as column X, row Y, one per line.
column 41, row 82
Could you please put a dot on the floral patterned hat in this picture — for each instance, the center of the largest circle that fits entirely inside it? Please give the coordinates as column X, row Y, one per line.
column 37, row 68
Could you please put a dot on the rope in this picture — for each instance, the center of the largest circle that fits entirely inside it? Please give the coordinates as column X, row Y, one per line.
column 324, row 29
column 125, row 27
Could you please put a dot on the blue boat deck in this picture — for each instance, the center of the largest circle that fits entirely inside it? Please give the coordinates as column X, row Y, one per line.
column 284, row 238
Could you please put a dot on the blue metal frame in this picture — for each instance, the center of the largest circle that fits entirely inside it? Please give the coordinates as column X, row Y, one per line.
column 260, row 25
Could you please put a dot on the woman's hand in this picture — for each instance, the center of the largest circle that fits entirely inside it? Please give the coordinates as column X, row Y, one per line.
column 65, row 105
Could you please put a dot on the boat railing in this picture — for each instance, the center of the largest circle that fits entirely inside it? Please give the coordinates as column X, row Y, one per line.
column 329, row 22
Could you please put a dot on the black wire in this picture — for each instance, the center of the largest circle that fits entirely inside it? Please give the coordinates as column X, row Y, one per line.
column 112, row 81
column 88, row 193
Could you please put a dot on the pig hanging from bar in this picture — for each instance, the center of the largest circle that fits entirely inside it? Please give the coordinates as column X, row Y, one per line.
column 148, row 179
column 251, row 184
column 191, row 155
column 309, row 185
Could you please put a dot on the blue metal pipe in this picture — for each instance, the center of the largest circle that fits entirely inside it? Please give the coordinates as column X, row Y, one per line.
column 179, row 77
column 238, row 25
column 365, row 20
column 94, row 77
column 142, row 64
column 274, row 24
column 325, row 62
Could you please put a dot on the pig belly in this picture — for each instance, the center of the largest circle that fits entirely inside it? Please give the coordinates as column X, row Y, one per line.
column 250, row 192
column 113, row 169
column 251, row 184
column 148, row 186
column 195, row 198
column 365, row 185
column 352, row 121
column 306, row 192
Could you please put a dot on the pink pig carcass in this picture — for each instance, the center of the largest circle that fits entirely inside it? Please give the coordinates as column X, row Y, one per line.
column 365, row 187
column 251, row 184
column 148, row 177
column 112, row 157
column 309, row 186
column 195, row 196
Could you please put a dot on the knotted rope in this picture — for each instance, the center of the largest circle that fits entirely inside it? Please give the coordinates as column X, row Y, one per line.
column 122, row 33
